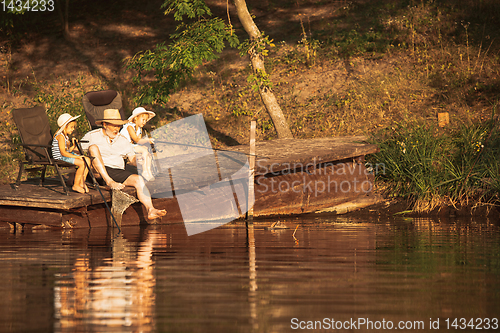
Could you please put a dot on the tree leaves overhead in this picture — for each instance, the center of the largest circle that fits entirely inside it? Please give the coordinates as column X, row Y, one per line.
column 189, row 8
column 191, row 45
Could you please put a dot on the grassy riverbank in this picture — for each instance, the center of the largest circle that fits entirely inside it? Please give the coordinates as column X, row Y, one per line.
column 433, row 168
column 384, row 69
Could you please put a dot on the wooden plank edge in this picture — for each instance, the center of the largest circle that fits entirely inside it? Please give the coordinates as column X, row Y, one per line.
column 352, row 205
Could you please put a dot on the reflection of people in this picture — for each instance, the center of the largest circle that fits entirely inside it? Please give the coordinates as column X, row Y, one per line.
column 109, row 147
column 63, row 149
column 133, row 132
column 101, row 300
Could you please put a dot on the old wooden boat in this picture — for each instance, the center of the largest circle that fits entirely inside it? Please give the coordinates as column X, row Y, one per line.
column 290, row 177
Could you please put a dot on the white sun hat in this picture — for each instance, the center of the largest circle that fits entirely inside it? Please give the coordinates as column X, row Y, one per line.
column 141, row 110
column 63, row 121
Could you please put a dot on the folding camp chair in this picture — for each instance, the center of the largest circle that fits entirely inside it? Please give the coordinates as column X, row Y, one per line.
column 95, row 102
column 34, row 130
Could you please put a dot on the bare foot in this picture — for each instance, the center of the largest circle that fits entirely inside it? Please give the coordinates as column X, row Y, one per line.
column 84, row 186
column 154, row 213
column 116, row 186
column 78, row 189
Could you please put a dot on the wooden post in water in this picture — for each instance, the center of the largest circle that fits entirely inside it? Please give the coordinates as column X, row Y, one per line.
column 251, row 194
column 252, row 278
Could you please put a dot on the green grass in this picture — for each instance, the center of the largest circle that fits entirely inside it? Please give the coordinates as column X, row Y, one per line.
column 432, row 167
column 65, row 96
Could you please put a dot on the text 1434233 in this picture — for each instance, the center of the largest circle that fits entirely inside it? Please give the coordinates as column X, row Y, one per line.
column 21, row 6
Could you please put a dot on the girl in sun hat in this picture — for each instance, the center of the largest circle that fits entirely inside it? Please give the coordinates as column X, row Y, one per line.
column 133, row 132
column 133, row 129
column 64, row 149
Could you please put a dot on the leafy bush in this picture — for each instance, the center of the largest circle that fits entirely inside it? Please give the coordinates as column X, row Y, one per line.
column 65, row 97
column 173, row 63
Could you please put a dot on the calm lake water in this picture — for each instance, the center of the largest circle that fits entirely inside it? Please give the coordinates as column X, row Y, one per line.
column 354, row 274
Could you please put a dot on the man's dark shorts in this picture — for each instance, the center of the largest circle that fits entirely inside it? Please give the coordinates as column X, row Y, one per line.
column 121, row 175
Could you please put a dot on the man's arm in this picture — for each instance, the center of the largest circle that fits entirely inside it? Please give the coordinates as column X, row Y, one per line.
column 85, row 141
column 98, row 164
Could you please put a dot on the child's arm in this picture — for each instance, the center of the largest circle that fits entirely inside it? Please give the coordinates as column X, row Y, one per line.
column 144, row 141
column 73, row 147
column 62, row 146
column 135, row 138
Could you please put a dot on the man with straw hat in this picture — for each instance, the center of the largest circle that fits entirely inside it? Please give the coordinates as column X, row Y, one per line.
column 109, row 147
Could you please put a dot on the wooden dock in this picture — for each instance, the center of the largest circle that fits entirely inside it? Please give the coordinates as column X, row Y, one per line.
column 291, row 177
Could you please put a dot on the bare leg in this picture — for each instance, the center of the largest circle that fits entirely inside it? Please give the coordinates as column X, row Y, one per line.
column 99, row 166
column 145, row 162
column 144, row 196
column 147, row 165
column 85, row 173
column 77, row 186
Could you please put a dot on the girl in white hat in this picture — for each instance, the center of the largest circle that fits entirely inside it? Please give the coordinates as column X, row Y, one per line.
column 133, row 132
column 64, row 149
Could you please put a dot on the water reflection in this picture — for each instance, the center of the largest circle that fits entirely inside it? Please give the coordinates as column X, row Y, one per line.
column 117, row 295
column 158, row 279
column 252, row 276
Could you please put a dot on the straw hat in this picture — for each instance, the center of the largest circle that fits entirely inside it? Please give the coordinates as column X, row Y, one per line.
column 141, row 110
column 111, row 116
column 63, row 121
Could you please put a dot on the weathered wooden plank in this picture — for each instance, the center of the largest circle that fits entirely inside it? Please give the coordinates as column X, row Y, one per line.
column 78, row 219
column 306, row 190
column 283, row 154
column 31, row 215
column 31, row 195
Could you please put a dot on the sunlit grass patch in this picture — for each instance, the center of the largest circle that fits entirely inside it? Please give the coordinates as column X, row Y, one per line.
column 433, row 168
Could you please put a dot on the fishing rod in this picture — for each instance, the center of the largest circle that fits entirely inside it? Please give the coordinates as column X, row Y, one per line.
column 186, row 145
column 94, row 181
column 218, row 149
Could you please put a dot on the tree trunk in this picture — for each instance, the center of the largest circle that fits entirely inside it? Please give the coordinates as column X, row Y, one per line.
column 63, row 16
column 257, row 61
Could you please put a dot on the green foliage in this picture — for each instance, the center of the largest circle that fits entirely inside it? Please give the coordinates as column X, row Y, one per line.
column 266, row 125
column 173, row 63
column 413, row 159
column 475, row 160
column 354, row 43
column 7, row 168
column 9, row 9
column 242, row 102
column 66, row 97
column 430, row 167
column 6, row 23
column 9, row 152
column 260, row 79
column 190, row 8
column 12, row 8
column 257, row 46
